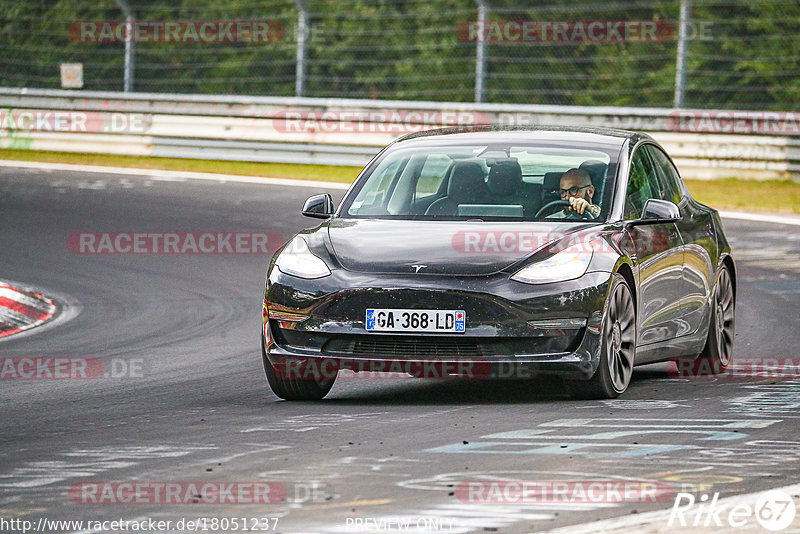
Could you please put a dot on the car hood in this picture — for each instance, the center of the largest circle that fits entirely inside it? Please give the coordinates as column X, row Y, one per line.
column 455, row 248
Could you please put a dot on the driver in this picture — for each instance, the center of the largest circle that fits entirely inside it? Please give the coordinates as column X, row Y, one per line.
column 576, row 186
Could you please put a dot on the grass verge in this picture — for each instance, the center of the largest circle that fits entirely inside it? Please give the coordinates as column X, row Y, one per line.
column 329, row 173
column 781, row 196
column 731, row 193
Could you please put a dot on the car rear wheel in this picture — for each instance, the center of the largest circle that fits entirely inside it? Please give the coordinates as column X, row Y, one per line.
column 299, row 381
column 617, row 348
column 719, row 344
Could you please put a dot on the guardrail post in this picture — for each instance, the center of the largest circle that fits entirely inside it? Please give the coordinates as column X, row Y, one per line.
column 683, row 44
column 129, row 45
column 302, row 34
column 480, row 53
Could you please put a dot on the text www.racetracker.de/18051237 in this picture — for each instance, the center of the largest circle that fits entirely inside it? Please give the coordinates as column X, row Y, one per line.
column 143, row 525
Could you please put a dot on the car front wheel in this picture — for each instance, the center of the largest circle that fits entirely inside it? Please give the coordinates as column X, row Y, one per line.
column 298, row 379
column 617, row 348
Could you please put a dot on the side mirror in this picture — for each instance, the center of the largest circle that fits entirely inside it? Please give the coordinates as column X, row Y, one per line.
column 660, row 210
column 657, row 211
column 318, row 206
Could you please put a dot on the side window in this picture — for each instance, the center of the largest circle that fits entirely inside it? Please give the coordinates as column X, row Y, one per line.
column 378, row 196
column 667, row 174
column 433, row 172
column 642, row 185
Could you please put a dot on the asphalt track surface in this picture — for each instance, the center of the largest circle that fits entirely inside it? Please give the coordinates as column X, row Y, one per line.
column 198, row 409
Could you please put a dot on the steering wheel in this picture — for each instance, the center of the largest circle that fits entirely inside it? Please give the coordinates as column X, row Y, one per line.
column 549, row 209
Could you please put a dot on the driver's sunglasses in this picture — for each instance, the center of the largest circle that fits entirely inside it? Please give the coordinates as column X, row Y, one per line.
column 574, row 190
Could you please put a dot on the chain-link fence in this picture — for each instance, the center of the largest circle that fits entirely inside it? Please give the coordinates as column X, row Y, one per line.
column 735, row 54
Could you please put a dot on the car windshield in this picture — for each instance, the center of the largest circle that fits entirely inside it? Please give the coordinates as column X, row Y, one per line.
column 487, row 182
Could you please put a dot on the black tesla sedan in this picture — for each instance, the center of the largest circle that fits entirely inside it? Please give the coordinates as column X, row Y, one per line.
column 577, row 253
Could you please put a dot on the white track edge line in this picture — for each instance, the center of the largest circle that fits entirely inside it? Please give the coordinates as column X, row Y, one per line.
column 792, row 220
column 155, row 173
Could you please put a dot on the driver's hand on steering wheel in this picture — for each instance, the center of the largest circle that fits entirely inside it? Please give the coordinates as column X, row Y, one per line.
column 581, row 205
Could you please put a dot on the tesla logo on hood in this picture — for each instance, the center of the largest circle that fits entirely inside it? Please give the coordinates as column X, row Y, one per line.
column 418, row 267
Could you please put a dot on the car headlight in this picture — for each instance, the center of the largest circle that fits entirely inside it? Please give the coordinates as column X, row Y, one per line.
column 568, row 264
column 297, row 260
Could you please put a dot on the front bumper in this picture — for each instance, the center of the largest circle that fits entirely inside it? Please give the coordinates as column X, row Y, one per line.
column 543, row 329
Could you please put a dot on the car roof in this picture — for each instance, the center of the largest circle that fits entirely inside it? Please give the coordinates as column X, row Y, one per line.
column 493, row 134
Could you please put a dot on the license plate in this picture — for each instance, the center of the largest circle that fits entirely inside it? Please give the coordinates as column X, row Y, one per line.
column 394, row 320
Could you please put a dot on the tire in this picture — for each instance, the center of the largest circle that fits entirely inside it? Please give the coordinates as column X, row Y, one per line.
column 617, row 347
column 718, row 351
column 308, row 385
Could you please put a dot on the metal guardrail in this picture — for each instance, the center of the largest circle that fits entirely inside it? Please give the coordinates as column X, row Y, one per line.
column 261, row 129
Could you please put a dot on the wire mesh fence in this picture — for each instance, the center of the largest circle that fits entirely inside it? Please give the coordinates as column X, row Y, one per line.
column 731, row 54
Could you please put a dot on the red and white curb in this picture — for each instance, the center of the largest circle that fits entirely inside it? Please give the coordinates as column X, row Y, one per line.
column 23, row 308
